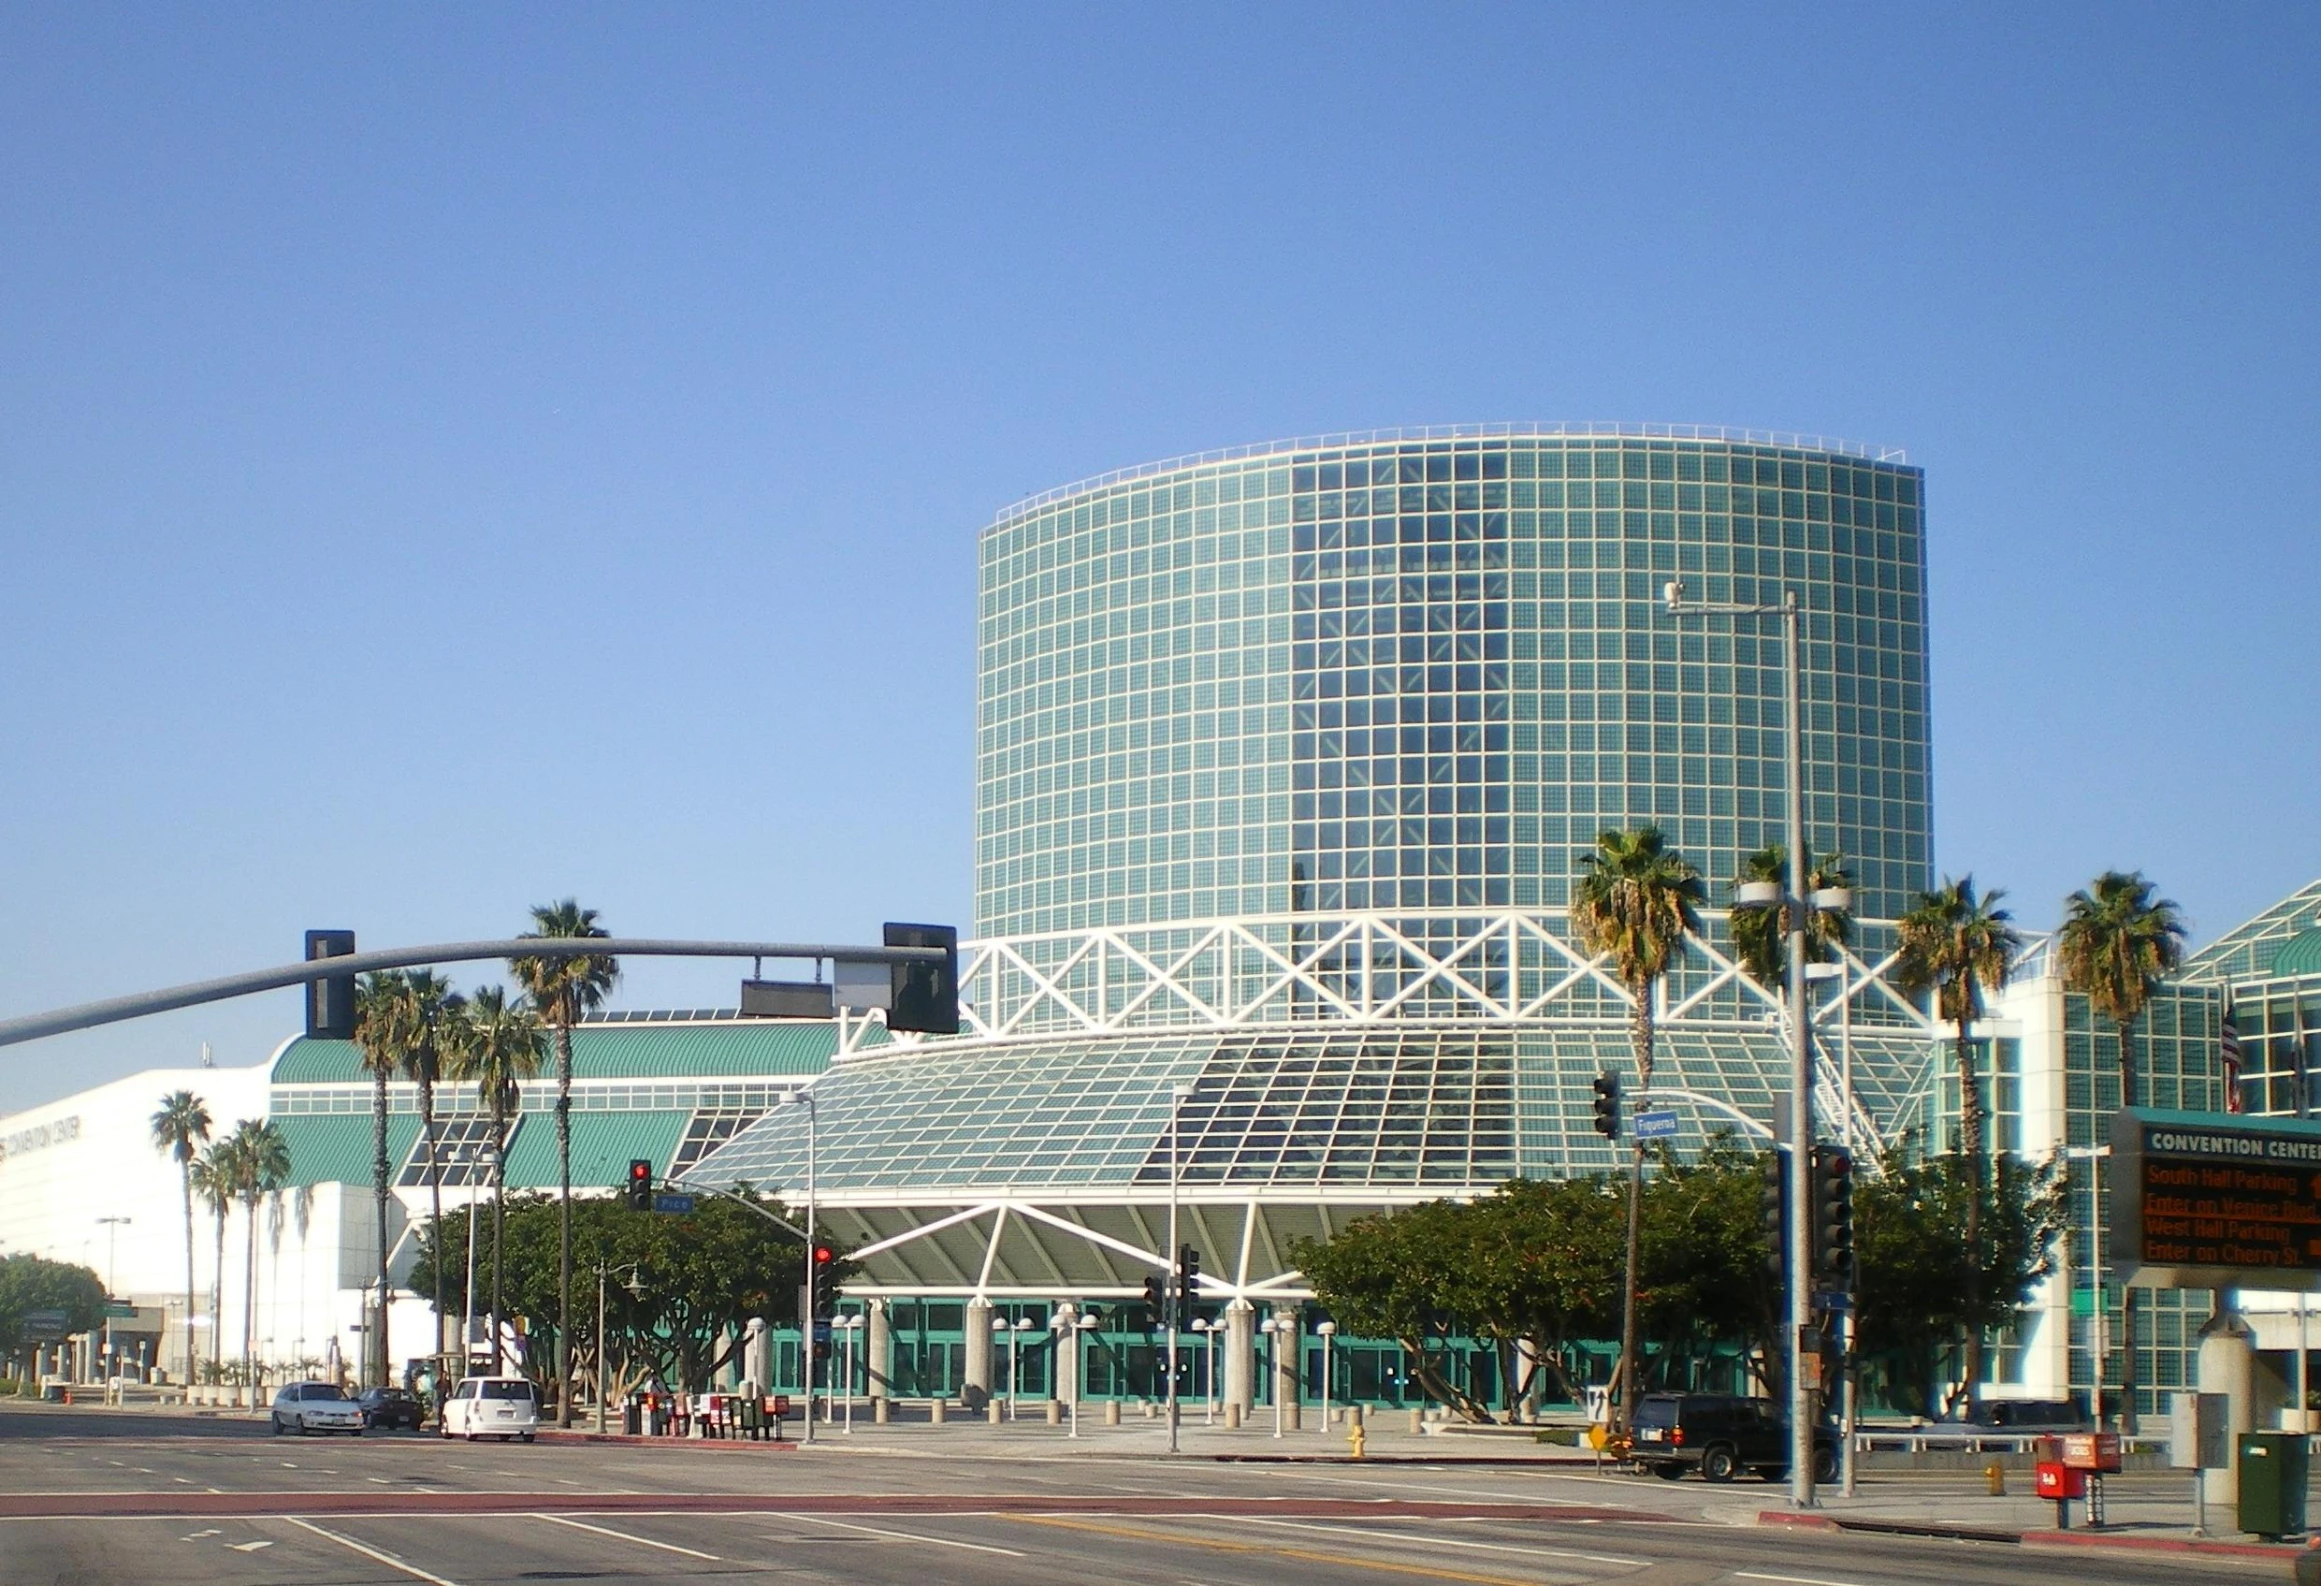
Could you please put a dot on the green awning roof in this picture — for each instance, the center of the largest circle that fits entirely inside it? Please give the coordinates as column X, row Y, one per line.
column 327, row 1148
column 603, row 1145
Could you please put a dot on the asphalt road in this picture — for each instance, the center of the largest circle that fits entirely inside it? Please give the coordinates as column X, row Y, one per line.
column 96, row 1499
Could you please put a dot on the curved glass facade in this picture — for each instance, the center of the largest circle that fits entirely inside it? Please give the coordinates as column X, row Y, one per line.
column 1394, row 672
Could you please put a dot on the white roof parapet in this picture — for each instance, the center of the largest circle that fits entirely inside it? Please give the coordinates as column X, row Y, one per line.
column 1560, row 429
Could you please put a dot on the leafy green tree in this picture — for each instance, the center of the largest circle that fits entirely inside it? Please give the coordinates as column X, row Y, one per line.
column 180, row 1128
column 1960, row 946
column 1916, row 1225
column 700, row 1278
column 1706, row 1278
column 33, row 1283
column 1759, row 940
column 1634, row 902
column 2118, row 942
column 563, row 989
column 496, row 1045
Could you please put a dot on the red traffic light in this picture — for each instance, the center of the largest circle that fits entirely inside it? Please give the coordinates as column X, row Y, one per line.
column 824, row 1255
column 640, row 1172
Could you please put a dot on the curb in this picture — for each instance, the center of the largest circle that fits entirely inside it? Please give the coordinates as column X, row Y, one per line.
column 2055, row 1539
column 723, row 1444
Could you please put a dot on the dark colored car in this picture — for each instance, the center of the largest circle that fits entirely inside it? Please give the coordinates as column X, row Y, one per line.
column 1722, row 1435
column 389, row 1408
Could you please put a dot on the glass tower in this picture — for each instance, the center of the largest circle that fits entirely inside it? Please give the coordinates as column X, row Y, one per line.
column 1422, row 669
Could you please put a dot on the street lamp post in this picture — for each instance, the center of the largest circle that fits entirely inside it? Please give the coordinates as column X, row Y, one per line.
column 1800, row 1230
column 1085, row 1322
column 1329, row 1332
column 1177, row 1099
column 112, row 1227
column 846, row 1327
column 636, row 1288
column 805, row 1098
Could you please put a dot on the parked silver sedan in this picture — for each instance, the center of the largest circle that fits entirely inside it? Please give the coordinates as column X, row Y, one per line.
column 304, row 1407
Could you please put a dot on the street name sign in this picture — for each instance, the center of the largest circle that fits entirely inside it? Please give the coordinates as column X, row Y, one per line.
column 676, row 1205
column 2215, row 1200
column 120, row 1311
column 1656, row 1126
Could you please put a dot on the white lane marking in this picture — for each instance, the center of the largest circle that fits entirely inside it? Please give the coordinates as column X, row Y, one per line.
column 1439, row 1541
column 904, row 1536
column 1791, row 1580
column 388, row 1559
column 198, row 1535
column 248, row 1547
column 641, row 1541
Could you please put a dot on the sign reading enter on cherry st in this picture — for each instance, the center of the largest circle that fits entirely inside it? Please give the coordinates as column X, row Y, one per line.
column 2212, row 1200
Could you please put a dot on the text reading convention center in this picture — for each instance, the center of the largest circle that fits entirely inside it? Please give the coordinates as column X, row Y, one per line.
column 1287, row 757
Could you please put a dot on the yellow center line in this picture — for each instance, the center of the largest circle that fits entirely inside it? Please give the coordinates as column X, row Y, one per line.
column 1304, row 1555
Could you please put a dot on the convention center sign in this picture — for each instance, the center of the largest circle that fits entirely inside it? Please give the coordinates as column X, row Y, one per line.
column 2205, row 1200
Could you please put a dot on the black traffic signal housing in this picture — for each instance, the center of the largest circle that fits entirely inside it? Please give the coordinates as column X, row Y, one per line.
column 1188, row 1279
column 821, row 1280
column 1156, row 1299
column 1608, row 1105
column 1773, row 1211
column 330, row 1001
column 640, row 1186
column 924, row 996
column 1833, row 1216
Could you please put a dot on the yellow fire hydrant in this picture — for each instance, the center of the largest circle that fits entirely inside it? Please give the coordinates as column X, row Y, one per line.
column 1354, row 1439
column 1996, row 1474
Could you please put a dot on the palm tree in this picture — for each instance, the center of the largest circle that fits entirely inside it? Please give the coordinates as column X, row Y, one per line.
column 1759, row 940
column 261, row 1167
column 179, row 1129
column 384, row 1035
column 1635, row 901
column 430, row 1006
column 1959, row 946
column 2117, row 944
column 563, row 989
column 212, row 1178
column 497, row 1045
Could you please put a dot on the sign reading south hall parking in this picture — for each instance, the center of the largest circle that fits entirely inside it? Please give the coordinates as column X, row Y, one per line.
column 2214, row 1200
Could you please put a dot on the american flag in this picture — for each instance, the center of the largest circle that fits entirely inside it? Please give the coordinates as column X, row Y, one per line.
column 2229, row 1049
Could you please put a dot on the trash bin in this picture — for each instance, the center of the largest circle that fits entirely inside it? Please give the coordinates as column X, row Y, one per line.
column 2272, row 1483
column 633, row 1417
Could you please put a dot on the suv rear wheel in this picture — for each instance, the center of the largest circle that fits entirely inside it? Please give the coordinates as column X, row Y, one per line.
column 1719, row 1463
column 1824, row 1464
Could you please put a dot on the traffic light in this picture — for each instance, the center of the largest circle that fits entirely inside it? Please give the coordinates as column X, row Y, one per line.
column 1773, row 1212
column 924, row 996
column 1156, row 1299
column 640, row 1185
column 330, row 1002
column 1188, row 1279
column 1833, row 1215
column 1608, row 1105
column 822, row 1281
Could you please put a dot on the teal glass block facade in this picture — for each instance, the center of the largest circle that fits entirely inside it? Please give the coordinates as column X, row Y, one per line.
column 1398, row 672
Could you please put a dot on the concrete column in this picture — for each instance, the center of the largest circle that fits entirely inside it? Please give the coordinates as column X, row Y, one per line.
column 880, row 1357
column 2228, row 1366
column 1288, row 1348
column 975, row 1377
column 757, row 1355
column 1527, row 1357
column 1064, row 1378
column 1240, row 1360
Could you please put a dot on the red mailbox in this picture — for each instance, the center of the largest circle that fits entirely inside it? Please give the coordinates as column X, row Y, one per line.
column 2092, row 1451
column 2058, row 1480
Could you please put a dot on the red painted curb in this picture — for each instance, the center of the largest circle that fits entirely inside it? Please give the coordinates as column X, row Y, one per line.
column 735, row 1444
column 1802, row 1522
column 2159, row 1544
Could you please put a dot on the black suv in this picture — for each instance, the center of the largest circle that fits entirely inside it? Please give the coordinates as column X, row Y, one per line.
column 1722, row 1435
column 390, row 1408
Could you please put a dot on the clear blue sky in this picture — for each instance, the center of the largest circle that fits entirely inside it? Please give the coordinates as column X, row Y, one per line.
column 457, row 457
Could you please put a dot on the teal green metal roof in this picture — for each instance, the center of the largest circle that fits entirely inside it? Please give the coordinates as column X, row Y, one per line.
column 328, row 1148
column 740, row 1049
column 2300, row 954
column 603, row 1145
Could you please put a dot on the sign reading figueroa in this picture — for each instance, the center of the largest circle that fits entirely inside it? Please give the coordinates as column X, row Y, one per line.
column 40, row 1136
column 2204, row 1201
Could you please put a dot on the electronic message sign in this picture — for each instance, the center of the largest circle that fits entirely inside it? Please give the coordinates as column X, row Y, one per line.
column 2212, row 1200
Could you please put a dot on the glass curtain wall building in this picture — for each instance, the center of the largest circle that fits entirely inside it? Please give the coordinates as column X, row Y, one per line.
column 1424, row 669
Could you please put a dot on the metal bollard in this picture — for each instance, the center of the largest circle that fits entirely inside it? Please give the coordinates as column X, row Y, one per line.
column 1996, row 1475
column 1417, row 1421
column 935, row 1409
column 1111, row 1412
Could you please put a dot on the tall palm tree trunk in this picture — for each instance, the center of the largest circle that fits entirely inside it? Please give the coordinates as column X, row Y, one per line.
column 185, row 1178
column 499, row 1217
column 1971, row 1130
column 378, row 1330
column 435, row 1197
column 564, row 1218
column 250, row 1300
column 218, row 1293
column 1640, row 1036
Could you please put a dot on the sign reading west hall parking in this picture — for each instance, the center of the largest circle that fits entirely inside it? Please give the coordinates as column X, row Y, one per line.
column 2209, row 1200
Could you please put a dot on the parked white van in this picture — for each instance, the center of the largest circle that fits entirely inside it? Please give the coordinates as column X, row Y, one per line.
column 501, row 1407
